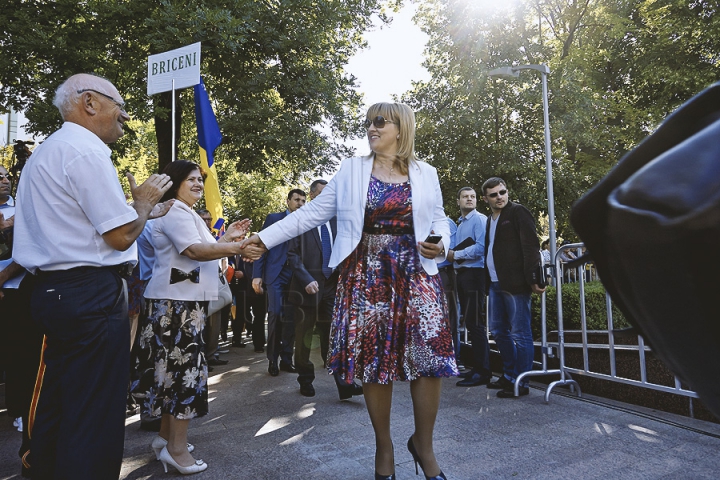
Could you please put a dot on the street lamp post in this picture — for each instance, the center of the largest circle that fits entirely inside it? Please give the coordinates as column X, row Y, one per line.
column 514, row 72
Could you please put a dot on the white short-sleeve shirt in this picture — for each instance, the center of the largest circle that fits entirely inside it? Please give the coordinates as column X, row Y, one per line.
column 68, row 197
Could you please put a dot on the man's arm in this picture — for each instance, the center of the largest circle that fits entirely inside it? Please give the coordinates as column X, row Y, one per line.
column 295, row 262
column 259, row 264
column 145, row 197
column 7, row 273
column 530, row 247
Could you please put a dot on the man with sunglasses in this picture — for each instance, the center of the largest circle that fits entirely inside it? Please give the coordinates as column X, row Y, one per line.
column 512, row 255
column 76, row 233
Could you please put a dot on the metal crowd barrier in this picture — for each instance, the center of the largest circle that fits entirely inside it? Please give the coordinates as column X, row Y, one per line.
column 565, row 371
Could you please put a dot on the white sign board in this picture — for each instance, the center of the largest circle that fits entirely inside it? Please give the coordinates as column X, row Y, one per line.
column 181, row 64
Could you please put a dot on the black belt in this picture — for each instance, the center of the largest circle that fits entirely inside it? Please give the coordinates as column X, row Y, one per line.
column 124, row 269
column 447, row 268
column 387, row 230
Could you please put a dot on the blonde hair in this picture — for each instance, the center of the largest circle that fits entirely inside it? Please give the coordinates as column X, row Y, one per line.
column 405, row 118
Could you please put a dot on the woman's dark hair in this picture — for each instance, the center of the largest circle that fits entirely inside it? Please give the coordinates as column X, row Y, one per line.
column 178, row 171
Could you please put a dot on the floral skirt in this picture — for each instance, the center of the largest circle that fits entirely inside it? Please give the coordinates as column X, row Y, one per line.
column 390, row 320
column 172, row 371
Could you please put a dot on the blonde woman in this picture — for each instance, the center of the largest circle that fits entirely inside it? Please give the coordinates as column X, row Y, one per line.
column 390, row 319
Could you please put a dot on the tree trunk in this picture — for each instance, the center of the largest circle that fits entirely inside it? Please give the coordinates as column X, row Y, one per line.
column 163, row 127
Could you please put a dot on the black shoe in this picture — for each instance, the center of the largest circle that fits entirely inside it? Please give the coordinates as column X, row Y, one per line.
column 239, row 345
column 216, row 361
column 510, row 392
column 347, row 391
column 259, row 350
column 501, row 383
column 307, row 390
column 287, row 367
column 416, row 458
column 273, row 369
column 384, row 477
column 474, row 381
column 151, row 425
column 467, row 373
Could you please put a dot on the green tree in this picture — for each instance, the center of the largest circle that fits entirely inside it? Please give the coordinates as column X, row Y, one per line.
column 617, row 69
column 274, row 68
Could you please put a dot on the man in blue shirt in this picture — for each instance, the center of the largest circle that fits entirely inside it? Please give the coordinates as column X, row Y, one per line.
column 469, row 262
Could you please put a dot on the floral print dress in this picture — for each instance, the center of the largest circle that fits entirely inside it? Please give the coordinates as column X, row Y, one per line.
column 390, row 320
column 172, row 368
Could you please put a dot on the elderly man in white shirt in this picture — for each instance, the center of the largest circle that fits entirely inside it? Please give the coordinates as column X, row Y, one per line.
column 76, row 233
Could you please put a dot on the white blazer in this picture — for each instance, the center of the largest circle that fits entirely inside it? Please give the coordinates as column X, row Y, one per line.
column 345, row 196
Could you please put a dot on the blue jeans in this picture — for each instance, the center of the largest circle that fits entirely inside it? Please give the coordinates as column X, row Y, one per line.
column 510, row 325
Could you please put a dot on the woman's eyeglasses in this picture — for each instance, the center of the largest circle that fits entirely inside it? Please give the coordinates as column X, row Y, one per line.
column 378, row 122
column 495, row 194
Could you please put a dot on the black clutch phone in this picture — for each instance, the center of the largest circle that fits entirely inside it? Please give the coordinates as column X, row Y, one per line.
column 433, row 238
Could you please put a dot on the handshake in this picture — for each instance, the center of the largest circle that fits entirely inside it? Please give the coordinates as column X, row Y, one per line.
column 252, row 248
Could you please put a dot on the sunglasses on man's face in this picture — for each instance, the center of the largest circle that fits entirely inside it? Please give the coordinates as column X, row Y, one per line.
column 495, row 194
column 378, row 122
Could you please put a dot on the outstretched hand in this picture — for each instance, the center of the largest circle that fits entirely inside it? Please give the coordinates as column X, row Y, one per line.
column 237, row 230
column 253, row 248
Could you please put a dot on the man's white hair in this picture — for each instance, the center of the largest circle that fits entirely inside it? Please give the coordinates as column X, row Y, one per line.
column 66, row 96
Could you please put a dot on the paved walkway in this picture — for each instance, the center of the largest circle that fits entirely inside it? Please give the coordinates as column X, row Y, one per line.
column 260, row 427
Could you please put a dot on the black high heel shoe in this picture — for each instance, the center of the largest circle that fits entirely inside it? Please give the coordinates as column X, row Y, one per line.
column 384, row 477
column 416, row 458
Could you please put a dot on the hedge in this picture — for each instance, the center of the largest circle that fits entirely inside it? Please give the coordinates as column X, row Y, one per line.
column 594, row 309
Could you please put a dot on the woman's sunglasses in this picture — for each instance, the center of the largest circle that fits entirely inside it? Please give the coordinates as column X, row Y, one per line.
column 378, row 122
column 495, row 194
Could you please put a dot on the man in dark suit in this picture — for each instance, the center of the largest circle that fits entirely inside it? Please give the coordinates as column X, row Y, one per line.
column 312, row 292
column 513, row 255
column 250, row 308
column 272, row 270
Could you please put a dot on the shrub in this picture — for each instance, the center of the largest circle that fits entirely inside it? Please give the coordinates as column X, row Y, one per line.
column 595, row 309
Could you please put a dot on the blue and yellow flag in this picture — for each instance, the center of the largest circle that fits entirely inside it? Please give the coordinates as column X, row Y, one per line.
column 209, row 138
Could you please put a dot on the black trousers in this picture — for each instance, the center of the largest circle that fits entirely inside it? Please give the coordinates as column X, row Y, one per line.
column 79, row 424
column 281, row 328
column 306, row 319
column 471, row 290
